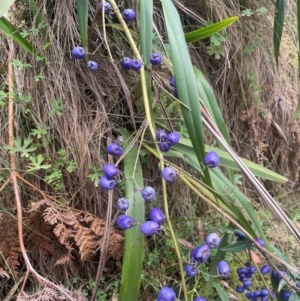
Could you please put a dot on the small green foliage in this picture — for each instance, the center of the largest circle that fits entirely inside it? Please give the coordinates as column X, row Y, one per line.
column 217, row 51
column 95, row 174
column 37, row 163
column 23, row 148
column 20, row 65
column 262, row 10
column 247, row 12
column 57, row 107
column 40, row 132
column 38, row 77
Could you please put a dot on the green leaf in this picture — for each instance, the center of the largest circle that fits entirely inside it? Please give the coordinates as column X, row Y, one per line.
column 278, row 27
column 185, row 81
column 236, row 247
column 207, row 31
column 82, row 15
column 134, row 239
column 221, row 292
column 19, row 147
column 12, row 33
column 5, row 5
column 36, row 163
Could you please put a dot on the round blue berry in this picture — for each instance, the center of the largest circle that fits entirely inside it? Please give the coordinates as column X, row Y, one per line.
column 156, row 215
column 223, row 268
column 239, row 289
column 128, row 14
column 286, row 294
column 164, row 146
column 168, row 174
column 148, row 193
column 149, row 228
column 265, row 269
column 125, row 222
column 92, row 66
column 107, row 7
column 200, row 254
column 161, row 135
column 264, row 292
column 136, row 64
column 155, row 58
column 200, row 299
column 172, row 82
column 211, row 159
column 123, row 204
column 167, row 294
column 78, row 52
column 175, row 93
column 173, row 138
column 260, row 241
column 114, row 149
column 110, row 171
column 107, row 184
column 190, row 270
column 277, row 275
column 213, row 240
column 126, row 63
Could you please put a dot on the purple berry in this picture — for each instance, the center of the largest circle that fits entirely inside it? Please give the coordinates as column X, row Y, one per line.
column 277, row 275
column 156, row 215
column 246, row 284
column 175, row 93
column 114, row 149
column 107, row 184
column 173, row 138
column 249, row 295
column 252, row 269
column 213, row 240
column 200, row 299
column 155, row 58
column 167, row 294
column 136, row 64
column 107, row 7
column 200, row 254
column 161, row 135
column 242, row 271
column 164, row 146
column 168, row 174
column 190, row 270
column 149, row 228
column 78, row 52
column 126, row 63
column 286, row 294
column 172, row 82
column 264, row 292
column 256, row 294
column 298, row 284
column 123, row 204
column 148, row 193
column 265, row 298
column 260, row 241
column 212, row 159
column 128, row 14
column 265, row 269
column 239, row 289
column 125, row 222
column 223, row 268
column 92, row 66
column 110, row 171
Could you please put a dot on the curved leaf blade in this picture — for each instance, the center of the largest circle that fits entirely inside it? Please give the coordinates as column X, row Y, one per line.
column 134, row 239
column 82, row 15
column 5, row 5
column 205, row 32
column 278, row 26
column 12, row 33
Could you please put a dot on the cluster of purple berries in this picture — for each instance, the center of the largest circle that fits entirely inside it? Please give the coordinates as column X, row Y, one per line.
column 128, row 14
column 128, row 63
column 201, row 254
column 108, row 181
column 79, row 52
column 165, row 141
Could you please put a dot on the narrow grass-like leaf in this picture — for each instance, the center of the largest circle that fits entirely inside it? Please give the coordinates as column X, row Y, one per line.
column 185, row 147
column 185, row 80
column 208, row 97
column 134, row 239
column 39, row 18
column 207, row 31
column 236, row 247
column 221, row 292
column 12, row 33
column 82, row 15
column 278, row 27
column 5, row 5
column 146, row 20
